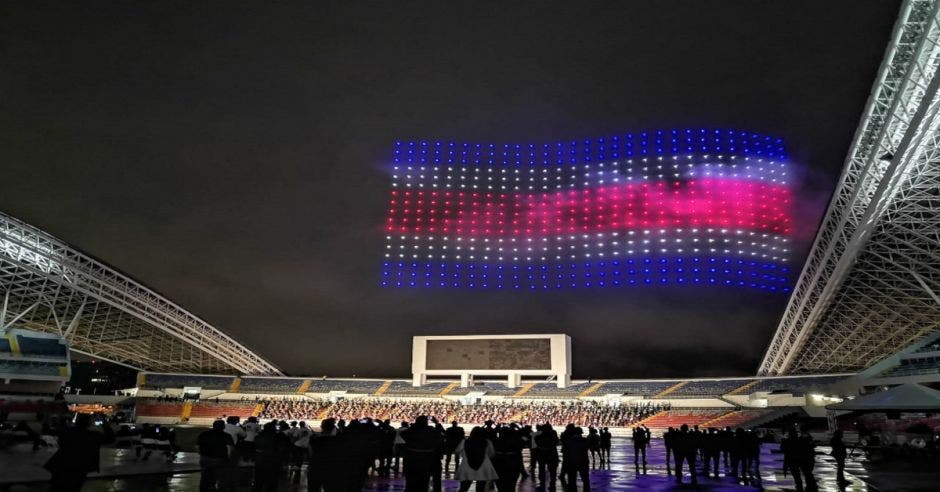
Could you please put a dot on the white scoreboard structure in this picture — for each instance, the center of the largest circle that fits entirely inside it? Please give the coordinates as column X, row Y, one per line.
column 510, row 356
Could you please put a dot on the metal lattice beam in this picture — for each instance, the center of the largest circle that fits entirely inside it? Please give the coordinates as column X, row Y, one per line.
column 49, row 286
column 867, row 287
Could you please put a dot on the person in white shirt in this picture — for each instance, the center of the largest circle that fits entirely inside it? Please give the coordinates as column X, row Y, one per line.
column 251, row 428
column 301, row 439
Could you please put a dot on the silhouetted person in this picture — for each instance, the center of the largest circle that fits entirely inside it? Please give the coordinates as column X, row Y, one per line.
column 387, row 448
column 594, row 445
column 301, row 437
column 78, row 454
column 711, row 452
column 546, row 453
column 327, row 460
column 422, row 445
column 605, row 445
column 476, row 454
column 808, row 463
column 669, row 442
column 358, row 443
column 639, row 448
column 453, row 436
column 753, row 443
column 685, row 449
column 725, row 437
column 215, row 452
column 741, row 452
column 271, row 448
column 796, row 455
column 508, row 458
column 574, row 450
column 839, row 453
column 252, row 428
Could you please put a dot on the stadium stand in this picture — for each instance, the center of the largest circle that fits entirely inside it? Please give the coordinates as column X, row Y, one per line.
column 675, row 418
column 163, row 381
column 551, row 390
column 796, row 385
column 915, row 366
column 699, row 388
column 405, row 388
column 29, row 368
column 32, row 407
column 634, row 388
column 156, row 408
column 269, row 385
column 739, row 418
column 933, row 346
column 295, row 409
column 533, row 412
column 355, row 386
column 41, row 347
column 488, row 387
column 217, row 409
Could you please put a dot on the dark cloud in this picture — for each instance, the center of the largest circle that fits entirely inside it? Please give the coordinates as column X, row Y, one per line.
column 231, row 156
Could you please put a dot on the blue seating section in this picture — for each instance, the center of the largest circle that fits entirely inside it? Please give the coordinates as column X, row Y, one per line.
column 41, row 347
column 638, row 388
column 5, row 346
column 350, row 385
column 713, row 388
column 933, row 346
column 269, row 385
column 919, row 366
column 551, row 390
column 404, row 388
column 491, row 389
column 180, row 381
column 29, row 368
column 797, row 385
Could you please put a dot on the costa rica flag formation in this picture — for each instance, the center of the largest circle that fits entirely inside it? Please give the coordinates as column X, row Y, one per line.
column 699, row 207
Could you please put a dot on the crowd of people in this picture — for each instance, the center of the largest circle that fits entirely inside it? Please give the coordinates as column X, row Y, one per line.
column 398, row 410
column 294, row 409
column 341, row 454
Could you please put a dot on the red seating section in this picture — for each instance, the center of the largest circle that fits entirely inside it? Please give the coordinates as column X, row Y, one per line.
column 216, row 410
column 154, row 409
column 738, row 419
column 28, row 406
column 675, row 418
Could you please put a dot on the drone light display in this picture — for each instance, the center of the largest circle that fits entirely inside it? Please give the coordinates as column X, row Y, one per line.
column 708, row 207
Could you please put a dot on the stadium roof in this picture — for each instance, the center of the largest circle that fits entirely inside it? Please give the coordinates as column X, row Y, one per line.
column 46, row 285
column 871, row 283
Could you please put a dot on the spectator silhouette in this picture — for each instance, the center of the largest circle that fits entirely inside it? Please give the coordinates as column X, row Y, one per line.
column 685, row 450
column 422, row 445
column 453, row 436
column 476, row 453
column 546, row 453
column 78, row 454
column 215, row 452
column 271, row 448
column 839, row 454
column 574, row 450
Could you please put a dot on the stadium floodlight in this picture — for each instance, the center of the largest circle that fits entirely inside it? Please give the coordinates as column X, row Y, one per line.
column 705, row 206
column 869, row 285
column 47, row 285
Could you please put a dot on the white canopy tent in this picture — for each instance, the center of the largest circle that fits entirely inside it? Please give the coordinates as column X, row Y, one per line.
column 906, row 397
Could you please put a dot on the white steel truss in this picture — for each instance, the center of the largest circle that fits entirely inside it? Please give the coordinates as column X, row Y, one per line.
column 870, row 284
column 47, row 285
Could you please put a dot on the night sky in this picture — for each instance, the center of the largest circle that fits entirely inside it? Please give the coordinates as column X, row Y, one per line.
column 234, row 159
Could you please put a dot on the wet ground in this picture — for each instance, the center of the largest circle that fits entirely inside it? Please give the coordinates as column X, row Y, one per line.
column 121, row 472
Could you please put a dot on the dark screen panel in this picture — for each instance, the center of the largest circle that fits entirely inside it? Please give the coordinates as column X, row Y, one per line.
column 495, row 354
